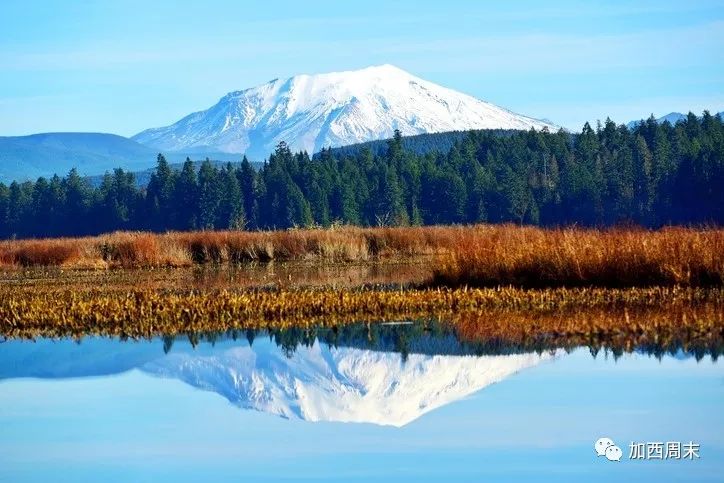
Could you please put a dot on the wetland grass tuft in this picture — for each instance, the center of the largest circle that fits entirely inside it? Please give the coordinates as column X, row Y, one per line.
column 531, row 257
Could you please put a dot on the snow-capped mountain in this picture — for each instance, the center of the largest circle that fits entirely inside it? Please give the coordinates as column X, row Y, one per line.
column 314, row 111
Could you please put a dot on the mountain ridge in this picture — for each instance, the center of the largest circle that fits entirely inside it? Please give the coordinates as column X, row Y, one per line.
column 90, row 153
column 45, row 154
column 672, row 117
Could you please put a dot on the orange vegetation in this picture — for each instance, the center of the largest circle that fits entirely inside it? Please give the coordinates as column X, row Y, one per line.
column 481, row 255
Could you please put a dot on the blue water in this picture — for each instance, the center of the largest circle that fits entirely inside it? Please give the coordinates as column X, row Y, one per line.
column 106, row 410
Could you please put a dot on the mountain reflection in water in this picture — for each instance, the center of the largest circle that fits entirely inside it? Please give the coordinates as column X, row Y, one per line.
column 387, row 374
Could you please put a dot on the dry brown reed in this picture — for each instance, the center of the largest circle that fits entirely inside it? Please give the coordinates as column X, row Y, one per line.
column 124, row 249
column 481, row 255
column 531, row 257
column 33, row 253
column 504, row 313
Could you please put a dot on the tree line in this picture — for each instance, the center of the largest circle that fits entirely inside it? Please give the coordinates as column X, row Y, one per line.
column 651, row 175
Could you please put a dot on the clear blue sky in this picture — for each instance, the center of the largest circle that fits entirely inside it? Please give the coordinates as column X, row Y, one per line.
column 128, row 65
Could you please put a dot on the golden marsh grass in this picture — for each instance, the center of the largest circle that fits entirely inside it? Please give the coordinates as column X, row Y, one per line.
column 481, row 255
column 510, row 314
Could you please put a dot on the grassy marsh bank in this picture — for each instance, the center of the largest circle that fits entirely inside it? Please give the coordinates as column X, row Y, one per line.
column 570, row 284
column 481, row 255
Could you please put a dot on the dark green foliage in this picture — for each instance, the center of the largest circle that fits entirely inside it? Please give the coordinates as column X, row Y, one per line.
column 651, row 175
column 209, row 196
column 186, row 198
column 419, row 144
column 117, row 203
column 159, row 196
column 248, row 186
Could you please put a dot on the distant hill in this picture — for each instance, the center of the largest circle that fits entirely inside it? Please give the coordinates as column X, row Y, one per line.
column 29, row 157
column 672, row 117
column 420, row 144
column 144, row 176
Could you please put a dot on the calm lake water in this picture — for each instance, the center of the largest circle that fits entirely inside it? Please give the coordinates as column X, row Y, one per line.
column 396, row 403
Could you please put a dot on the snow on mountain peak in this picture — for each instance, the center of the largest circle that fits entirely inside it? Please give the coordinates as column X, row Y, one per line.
column 333, row 109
